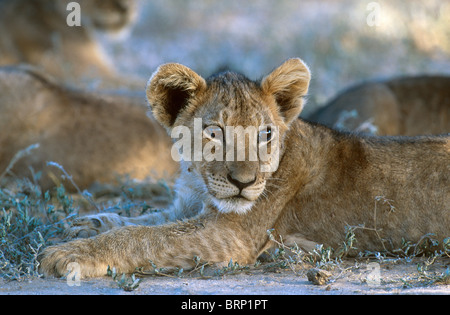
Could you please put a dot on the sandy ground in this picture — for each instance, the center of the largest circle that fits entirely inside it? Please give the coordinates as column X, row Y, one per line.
column 167, row 33
column 349, row 278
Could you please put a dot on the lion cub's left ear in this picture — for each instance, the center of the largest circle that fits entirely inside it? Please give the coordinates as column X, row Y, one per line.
column 288, row 84
column 171, row 90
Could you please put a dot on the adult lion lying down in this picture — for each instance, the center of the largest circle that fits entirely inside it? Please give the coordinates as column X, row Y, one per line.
column 408, row 106
column 37, row 33
column 95, row 137
column 314, row 182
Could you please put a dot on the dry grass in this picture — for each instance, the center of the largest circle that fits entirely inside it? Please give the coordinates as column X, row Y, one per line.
column 31, row 219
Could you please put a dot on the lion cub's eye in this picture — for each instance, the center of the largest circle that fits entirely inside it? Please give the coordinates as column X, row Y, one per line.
column 214, row 132
column 266, row 134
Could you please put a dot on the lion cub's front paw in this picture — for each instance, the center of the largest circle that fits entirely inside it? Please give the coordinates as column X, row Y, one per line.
column 92, row 225
column 74, row 257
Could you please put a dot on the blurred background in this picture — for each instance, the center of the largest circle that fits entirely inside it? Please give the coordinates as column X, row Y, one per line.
column 343, row 42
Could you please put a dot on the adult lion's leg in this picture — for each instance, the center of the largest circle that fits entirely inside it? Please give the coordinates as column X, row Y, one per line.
column 95, row 224
column 213, row 239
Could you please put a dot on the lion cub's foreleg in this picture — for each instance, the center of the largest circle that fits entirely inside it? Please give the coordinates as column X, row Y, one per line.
column 175, row 245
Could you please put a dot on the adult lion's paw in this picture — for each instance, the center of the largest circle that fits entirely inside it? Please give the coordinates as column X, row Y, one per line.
column 92, row 225
column 76, row 256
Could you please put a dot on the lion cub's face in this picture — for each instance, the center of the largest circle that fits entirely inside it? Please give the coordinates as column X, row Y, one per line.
column 229, row 130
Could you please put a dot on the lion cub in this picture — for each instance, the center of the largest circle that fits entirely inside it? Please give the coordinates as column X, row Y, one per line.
column 307, row 182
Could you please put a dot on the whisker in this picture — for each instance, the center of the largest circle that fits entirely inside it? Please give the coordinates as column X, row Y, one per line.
column 265, row 196
column 277, row 178
column 274, row 185
column 266, row 192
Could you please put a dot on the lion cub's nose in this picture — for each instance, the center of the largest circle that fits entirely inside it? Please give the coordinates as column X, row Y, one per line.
column 240, row 185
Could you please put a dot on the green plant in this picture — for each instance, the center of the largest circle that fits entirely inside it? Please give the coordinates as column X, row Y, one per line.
column 28, row 222
column 125, row 283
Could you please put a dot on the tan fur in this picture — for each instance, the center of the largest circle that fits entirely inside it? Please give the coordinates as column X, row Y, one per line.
column 95, row 137
column 36, row 32
column 407, row 106
column 325, row 181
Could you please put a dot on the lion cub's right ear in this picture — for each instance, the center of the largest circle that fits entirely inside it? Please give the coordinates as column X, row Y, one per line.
column 171, row 90
column 288, row 84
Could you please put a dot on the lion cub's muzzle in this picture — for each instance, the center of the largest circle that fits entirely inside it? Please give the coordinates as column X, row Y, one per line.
column 240, row 185
column 229, row 186
column 230, row 194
